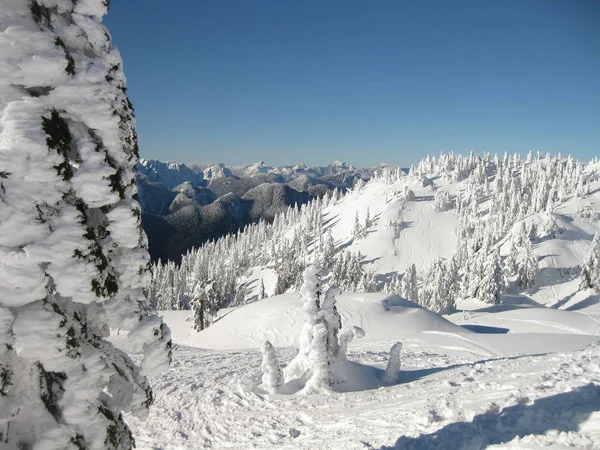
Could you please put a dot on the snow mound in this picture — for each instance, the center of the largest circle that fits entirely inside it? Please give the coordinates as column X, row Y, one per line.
column 388, row 318
column 385, row 318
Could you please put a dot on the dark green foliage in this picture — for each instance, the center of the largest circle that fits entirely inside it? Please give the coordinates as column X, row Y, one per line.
column 39, row 91
column 107, row 288
column 111, row 286
column 106, row 413
column 98, row 145
column 5, row 380
column 71, row 339
column 118, row 434
column 109, row 77
column 51, row 390
column 70, row 69
column 36, row 11
column 102, row 232
column 78, row 442
column 5, row 175
column 59, row 139
column 116, row 185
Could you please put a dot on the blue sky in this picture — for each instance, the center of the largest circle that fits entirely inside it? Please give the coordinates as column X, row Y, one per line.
column 288, row 81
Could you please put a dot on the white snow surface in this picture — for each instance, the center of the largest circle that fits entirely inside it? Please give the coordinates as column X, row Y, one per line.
column 523, row 377
column 524, row 374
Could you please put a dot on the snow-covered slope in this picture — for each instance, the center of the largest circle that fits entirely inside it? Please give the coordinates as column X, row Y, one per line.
column 495, row 384
column 519, row 371
column 426, row 233
column 387, row 318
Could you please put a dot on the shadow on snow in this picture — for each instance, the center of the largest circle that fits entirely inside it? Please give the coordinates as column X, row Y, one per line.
column 563, row 412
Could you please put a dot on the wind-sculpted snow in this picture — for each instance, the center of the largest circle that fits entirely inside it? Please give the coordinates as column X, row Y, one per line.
column 209, row 400
column 386, row 318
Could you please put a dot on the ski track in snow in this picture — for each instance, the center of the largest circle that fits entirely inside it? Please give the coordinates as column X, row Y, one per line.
column 469, row 399
column 429, row 243
column 209, row 400
column 548, row 324
column 407, row 241
column 551, row 254
column 488, row 351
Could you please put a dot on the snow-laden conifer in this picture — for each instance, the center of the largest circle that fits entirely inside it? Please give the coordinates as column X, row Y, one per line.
column 409, row 284
column 590, row 269
column 357, row 230
column 319, row 360
column 527, row 266
column 434, row 293
column 392, row 370
column 493, row 282
column 198, row 314
column 311, row 293
column 261, row 291
column 442, row 201
column 73, row 257
column 319, row 356
column 510, row 261
column 272, row 376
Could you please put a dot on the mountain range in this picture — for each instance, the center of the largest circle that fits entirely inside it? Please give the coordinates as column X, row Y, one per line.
column 185, row 206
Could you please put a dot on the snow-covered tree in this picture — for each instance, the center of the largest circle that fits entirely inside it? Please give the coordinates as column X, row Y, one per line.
column 357, row 230
column 434, row 293
column 527, row 266
column 73, row 257
column 493, row 281
column 198, row 315
column 272, row 376
column 442, row 201
column 392, row 371
column 319, row 353
column 590, row 269
column 311, row 293
column 319, row 360
column 261, row 291
column 409, row 284
column 510, row 261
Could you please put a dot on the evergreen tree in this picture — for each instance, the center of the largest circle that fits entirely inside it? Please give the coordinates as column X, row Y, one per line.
column 198, row 314
column 492, row 283
column 527, row 266
column 272, row 376
column 70, row 228
column 433, row 292
column 392, row 371
column 319, row 350
column 510, row 262
column 261, row 292
column 409, row 286
column 590, row 269
column 319, row 361
column 311, row 293
column 357, row 231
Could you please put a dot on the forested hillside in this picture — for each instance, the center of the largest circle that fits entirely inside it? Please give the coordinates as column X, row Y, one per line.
column 454, row 227
column 184, row 207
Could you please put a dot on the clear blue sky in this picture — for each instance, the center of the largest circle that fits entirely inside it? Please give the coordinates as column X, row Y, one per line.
column 367, row 81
